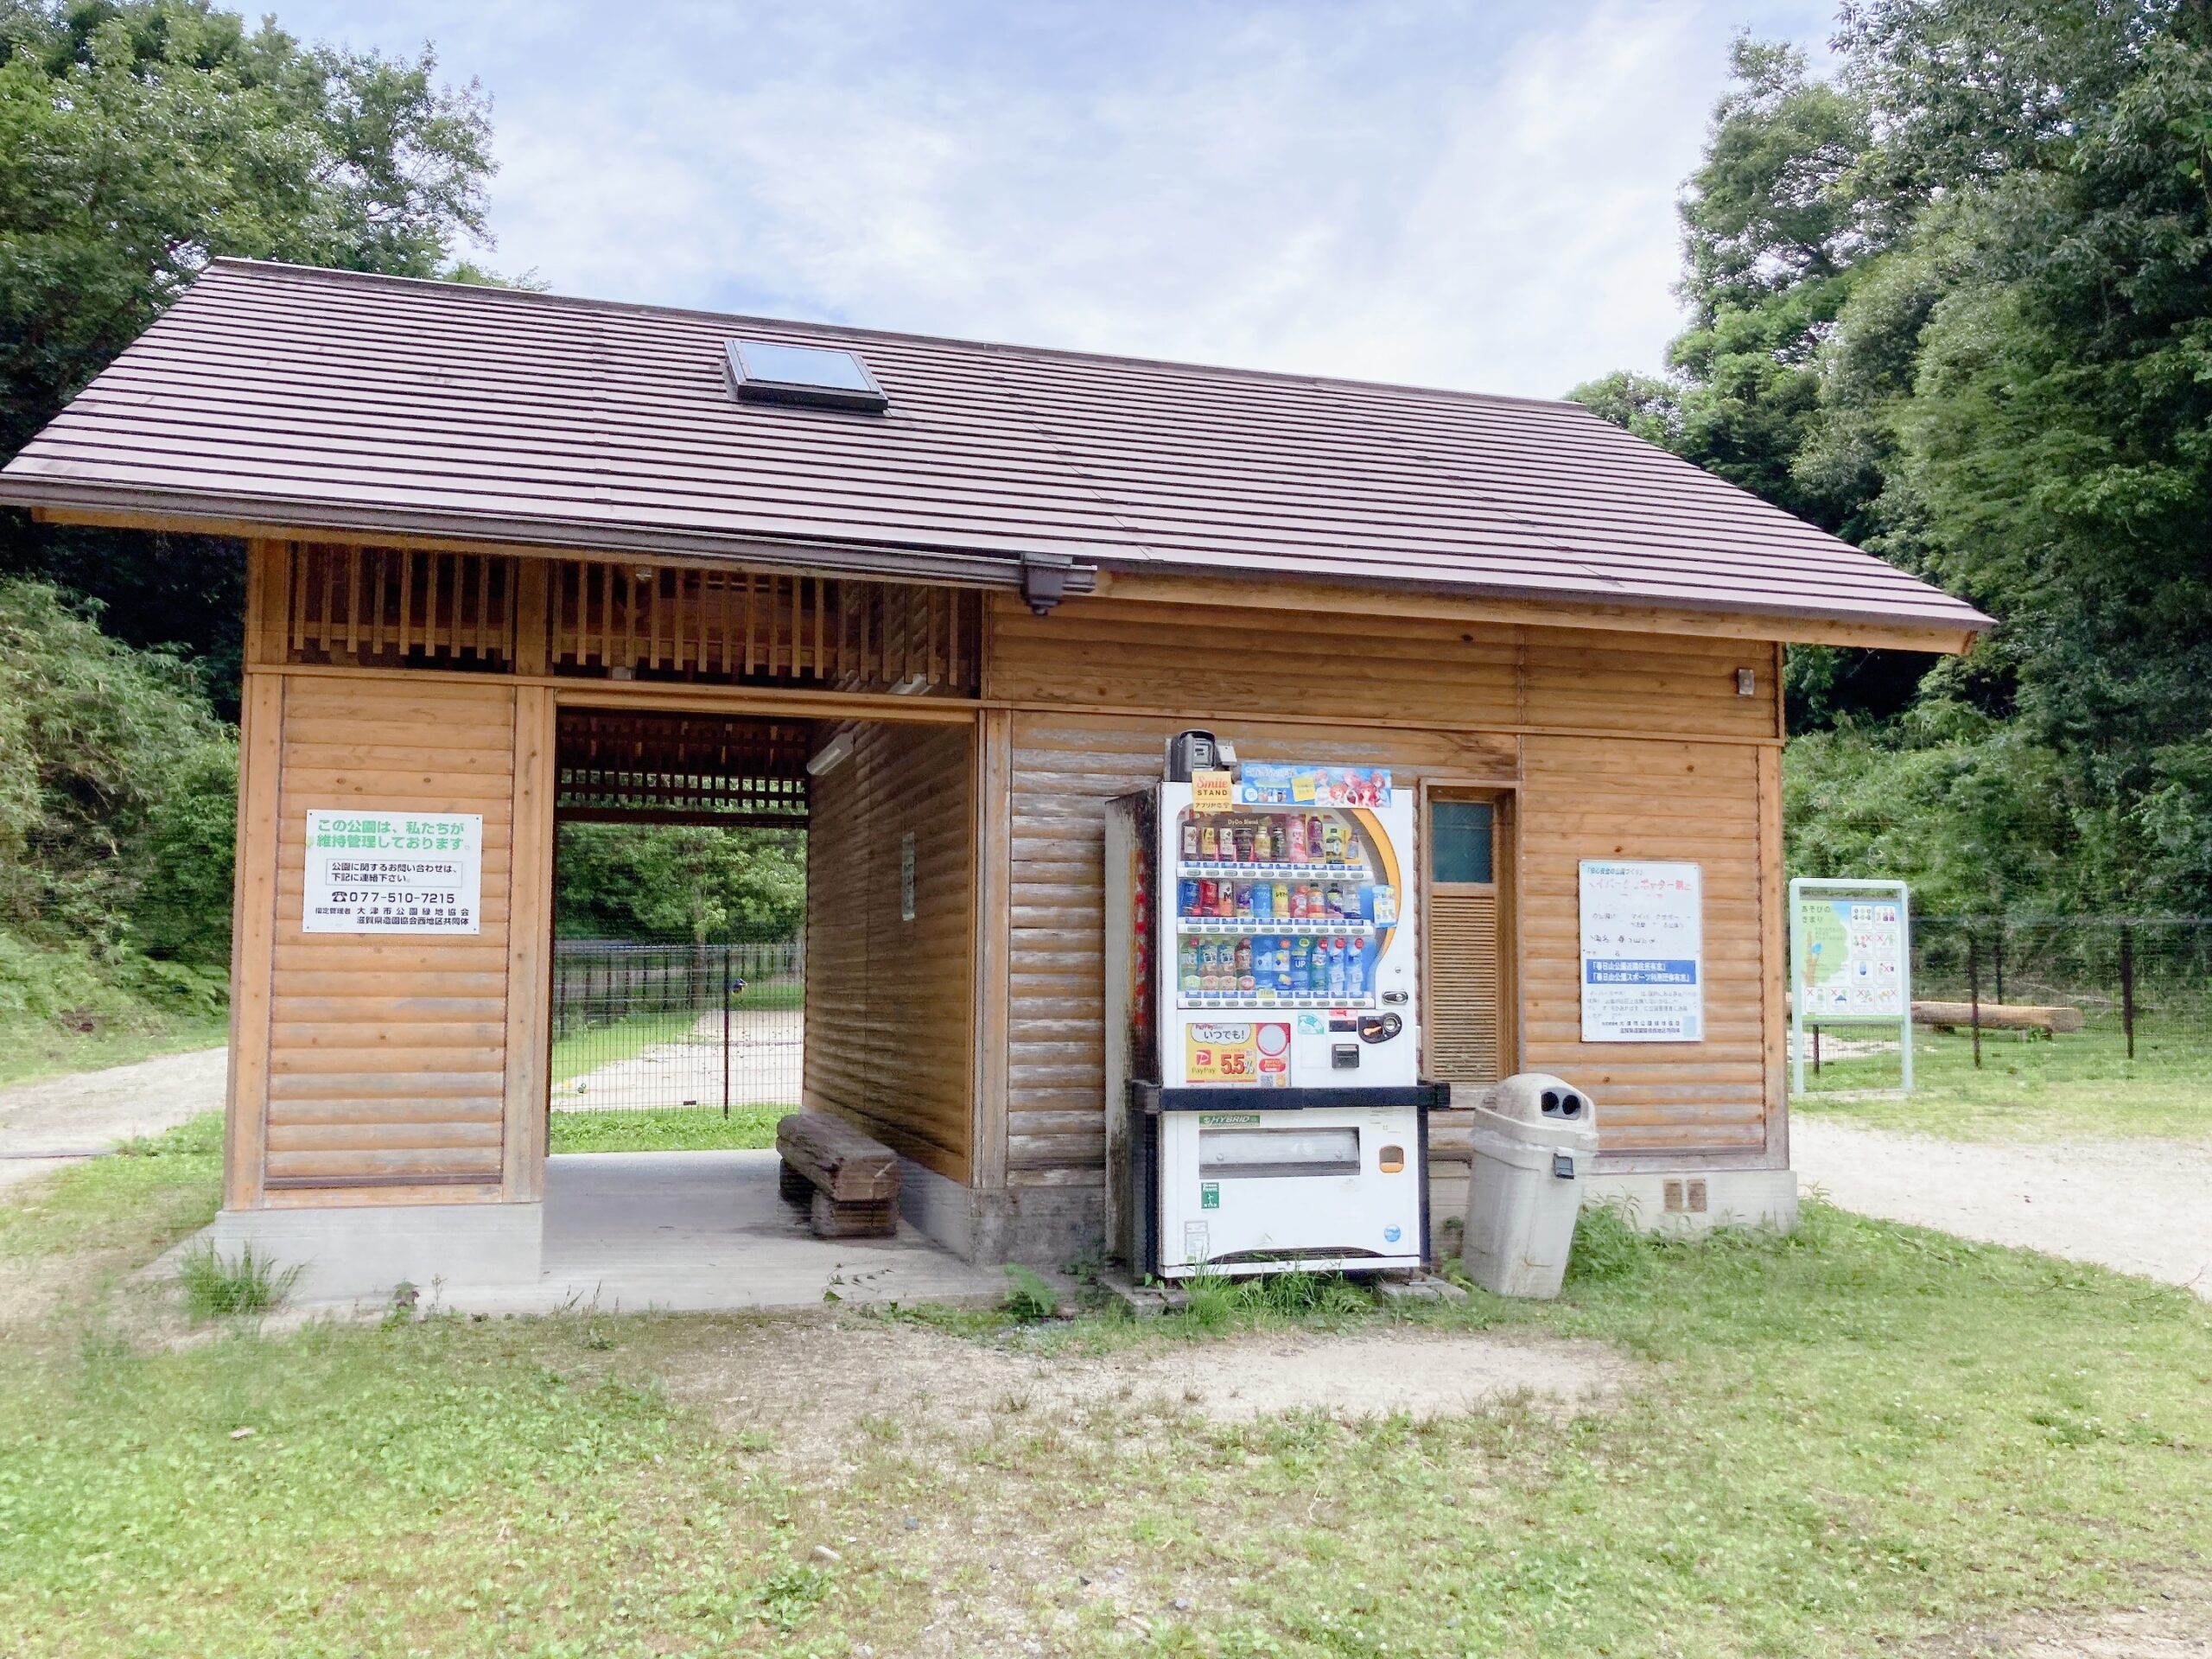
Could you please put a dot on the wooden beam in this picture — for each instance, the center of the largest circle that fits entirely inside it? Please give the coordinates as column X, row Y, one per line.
column 993, row 889
column 529, row 949
column 253, row 939
column 1278, row 595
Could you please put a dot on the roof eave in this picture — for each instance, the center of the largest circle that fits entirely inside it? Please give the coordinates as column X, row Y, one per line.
column 59, row 501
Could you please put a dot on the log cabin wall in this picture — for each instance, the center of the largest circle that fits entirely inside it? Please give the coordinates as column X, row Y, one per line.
column 385, row 1060
column 1615, row 745
column 890, row 1001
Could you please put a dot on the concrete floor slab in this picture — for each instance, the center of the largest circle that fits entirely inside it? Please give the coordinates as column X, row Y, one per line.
column 686, row 1232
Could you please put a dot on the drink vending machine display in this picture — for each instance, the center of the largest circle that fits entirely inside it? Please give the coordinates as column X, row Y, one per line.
column 1265, row 1108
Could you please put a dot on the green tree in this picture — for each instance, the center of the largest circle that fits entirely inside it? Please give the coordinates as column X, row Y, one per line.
column 139, row 139
column 1957, row 306
column 676, row 882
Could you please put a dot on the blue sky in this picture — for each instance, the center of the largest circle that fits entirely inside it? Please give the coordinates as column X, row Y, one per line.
column 1476, row 195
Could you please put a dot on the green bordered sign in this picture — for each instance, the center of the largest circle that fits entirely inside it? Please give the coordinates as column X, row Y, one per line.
column 1850, row 963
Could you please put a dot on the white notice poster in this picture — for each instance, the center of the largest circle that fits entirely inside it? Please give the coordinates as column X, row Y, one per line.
column 394, row 873
column 1643, row 953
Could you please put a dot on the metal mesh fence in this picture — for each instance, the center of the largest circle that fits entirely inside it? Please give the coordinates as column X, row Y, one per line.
column 2130, row 988
column 646, row 1027
column 2139, row 979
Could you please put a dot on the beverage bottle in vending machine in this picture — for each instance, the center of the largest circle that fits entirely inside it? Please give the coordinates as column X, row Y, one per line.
column 1186, row 967
column 1243, row 843
column 1186, row 897
column 1209, row 966
column 1317, row 977
column 1333, row 902
column 1225, row 898
column 1282, row 844
column 1298, row 900
column 1335, row 844
column 1190, row 838
column 1283, row 898
column 1336, row 967
column 1244, row 964
column 1314, row 841
column 1283, row 967
column 1355, row 968
column 1301, row 973
column 1297, row 854
column 1264, row 901
column 1241, row 897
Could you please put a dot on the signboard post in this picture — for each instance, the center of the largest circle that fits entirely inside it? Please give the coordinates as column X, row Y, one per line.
column 1850, row 961
column 1643, row 952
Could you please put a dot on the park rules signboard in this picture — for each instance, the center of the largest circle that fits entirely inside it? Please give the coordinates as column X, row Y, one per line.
column 394, row 873
column 1643, row 952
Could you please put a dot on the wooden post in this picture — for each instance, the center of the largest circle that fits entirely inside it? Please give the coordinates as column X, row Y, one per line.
column 1817, row 1050
column 2127, row 984
column 1973, row 991
column 528, row 1090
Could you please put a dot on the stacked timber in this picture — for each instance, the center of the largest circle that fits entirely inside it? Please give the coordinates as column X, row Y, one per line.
column 848, row 1183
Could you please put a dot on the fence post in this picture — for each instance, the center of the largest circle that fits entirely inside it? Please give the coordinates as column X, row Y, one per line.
column 725, row 1015
column 1973, row 990
column 1817, row 1050
column 2127, row 984
column 1998, row 947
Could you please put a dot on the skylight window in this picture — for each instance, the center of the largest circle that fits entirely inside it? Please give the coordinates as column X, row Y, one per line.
column 822, row 376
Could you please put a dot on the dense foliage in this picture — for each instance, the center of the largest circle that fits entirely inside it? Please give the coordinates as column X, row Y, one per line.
column 1955, row 305
column 679, row 882
column 117, row 796
column 139, row 139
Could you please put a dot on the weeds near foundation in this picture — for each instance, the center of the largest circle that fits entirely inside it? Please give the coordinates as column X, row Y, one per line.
column 1030, row 1294
column 215, row 1289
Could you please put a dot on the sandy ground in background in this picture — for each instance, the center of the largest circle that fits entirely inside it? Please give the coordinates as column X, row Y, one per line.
column 2140, row 1206
column 90, row 1110
column 766, row 1047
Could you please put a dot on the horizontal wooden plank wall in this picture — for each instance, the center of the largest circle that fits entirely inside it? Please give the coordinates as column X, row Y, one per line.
column 1403, row 670
column 890, row 1002
column 387, row 1055
column 1595, row 798
column 1449, row 701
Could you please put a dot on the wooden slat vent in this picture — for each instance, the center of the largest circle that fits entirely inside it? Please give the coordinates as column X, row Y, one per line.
column 669, row 768
column 664, row 623
column 1463, row 1019
column 393, row 608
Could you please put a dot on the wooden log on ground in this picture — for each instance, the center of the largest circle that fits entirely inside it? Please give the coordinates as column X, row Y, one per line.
column 849, row 1183
column 875, row 1219
column 838, row 1157
column 1998, row 1016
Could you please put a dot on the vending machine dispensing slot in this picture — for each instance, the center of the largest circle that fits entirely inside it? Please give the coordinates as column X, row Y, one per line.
column 1264, row 1106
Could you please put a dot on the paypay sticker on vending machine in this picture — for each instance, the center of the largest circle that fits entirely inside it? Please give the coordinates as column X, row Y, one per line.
column 1265, row 1105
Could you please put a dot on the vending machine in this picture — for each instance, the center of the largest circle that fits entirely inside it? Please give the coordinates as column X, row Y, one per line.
column 1265, row 1109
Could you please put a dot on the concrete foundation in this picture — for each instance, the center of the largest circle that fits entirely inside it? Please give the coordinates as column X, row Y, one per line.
column 363, row 1253
column 1693, row 1201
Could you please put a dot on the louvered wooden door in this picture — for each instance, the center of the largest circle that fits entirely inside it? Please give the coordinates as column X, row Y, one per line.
column 1468, row 1031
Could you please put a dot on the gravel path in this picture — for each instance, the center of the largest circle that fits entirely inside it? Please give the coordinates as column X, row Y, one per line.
column 2141, row 1206
column 88, row 1111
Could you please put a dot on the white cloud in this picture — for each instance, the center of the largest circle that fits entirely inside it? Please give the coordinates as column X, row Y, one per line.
column 1465, row 195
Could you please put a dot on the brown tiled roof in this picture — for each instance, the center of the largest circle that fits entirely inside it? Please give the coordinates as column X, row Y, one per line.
column 321, row 400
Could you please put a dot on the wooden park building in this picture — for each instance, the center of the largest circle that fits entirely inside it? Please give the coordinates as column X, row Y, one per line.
column 523, row 557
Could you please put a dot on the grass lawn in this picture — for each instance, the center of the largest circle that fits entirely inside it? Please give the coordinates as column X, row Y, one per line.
column 2081, row 1085
column 1853, row 1437
column 31, row 1049
column 667, row 1128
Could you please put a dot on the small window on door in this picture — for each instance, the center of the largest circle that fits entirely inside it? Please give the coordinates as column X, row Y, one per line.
column 1466, row 1024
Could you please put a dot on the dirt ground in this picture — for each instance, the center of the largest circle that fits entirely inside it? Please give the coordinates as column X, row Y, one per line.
column 2176, row 1624
column 824, row 1384
column 766, row 1045
column 91, row 1110
column 2136, row 1206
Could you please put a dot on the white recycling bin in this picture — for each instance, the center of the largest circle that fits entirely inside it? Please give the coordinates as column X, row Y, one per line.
column 1532, row 1139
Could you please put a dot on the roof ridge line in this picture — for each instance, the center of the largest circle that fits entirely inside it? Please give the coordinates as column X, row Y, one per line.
column 1011, row 348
